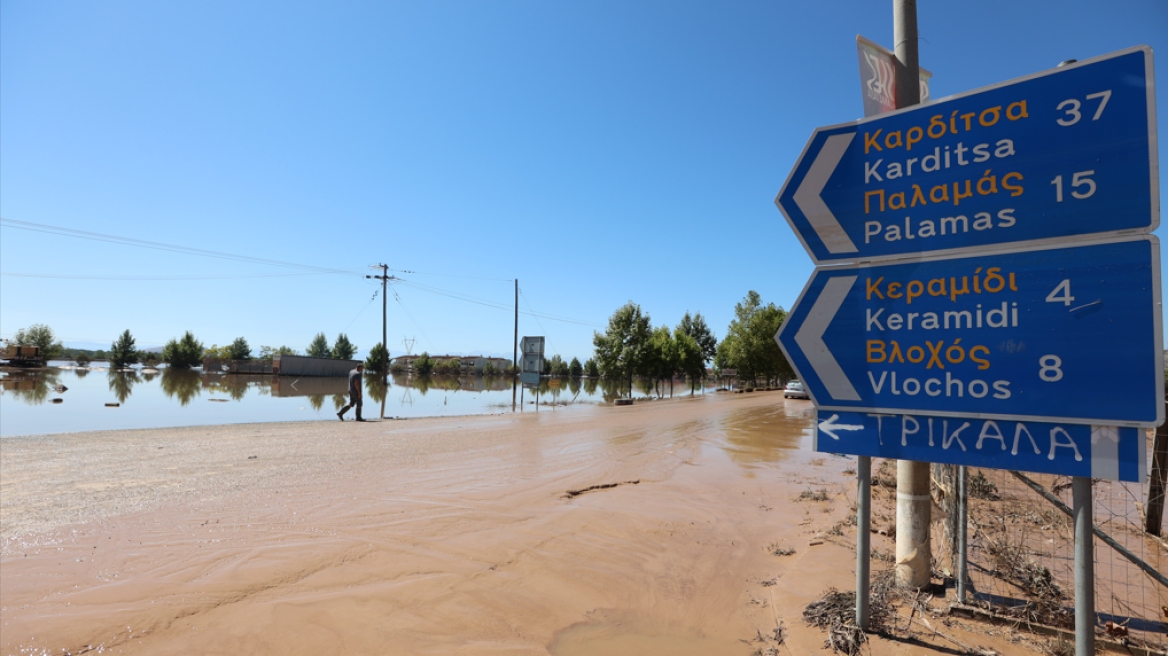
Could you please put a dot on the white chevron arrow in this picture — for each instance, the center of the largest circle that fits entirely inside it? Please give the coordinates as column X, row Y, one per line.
column 829, row 426
column 808, row 198
column 810, row 339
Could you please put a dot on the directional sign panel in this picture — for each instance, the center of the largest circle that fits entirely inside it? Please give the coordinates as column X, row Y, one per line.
column 1108, row 452
column 1060, row 154
column 1063, row 333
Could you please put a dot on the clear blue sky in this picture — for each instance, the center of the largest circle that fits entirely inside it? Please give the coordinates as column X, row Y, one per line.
column 597, row 151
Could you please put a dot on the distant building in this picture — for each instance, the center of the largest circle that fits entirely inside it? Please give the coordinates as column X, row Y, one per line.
column 469, row 364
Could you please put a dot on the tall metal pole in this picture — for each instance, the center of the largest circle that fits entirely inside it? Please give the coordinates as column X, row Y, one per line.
column 515, row 348
column 863, row 537
column 913, row 503
column 962, row 532
column 384, row 341
column 1084, row 567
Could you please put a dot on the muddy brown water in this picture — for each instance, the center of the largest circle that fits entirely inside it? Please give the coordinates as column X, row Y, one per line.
column 428, row 536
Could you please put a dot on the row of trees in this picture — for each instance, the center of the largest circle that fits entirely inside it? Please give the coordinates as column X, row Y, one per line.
column 630, row 346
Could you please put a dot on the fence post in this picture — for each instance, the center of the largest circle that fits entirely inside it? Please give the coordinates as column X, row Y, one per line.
column 962, row 537
column 863, row 537
column 1153, row 523
column 1084, row 567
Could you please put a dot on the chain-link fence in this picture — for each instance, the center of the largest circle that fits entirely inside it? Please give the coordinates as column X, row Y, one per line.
column 1021, row 552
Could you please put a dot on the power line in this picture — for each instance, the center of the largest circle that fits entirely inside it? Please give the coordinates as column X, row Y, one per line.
column 142, row 243
column 411, row 316
column 229, row 276
column 545, row 332
column 452, row 275
column 495, row 304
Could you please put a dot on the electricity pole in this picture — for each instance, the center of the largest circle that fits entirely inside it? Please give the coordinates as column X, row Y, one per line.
column 914, row 506
column 515, row 347
column 384, row 278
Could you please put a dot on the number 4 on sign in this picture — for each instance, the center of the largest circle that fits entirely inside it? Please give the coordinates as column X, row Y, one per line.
column 1066, row 298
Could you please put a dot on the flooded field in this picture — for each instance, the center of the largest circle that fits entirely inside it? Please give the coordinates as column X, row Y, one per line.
column 158, row 398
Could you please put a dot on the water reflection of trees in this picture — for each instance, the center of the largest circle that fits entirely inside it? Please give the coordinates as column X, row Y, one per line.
column 122, row 384
column 181, row 384
column 81, row 373
column 316, row 401
column 32, row 387
column 376, row 389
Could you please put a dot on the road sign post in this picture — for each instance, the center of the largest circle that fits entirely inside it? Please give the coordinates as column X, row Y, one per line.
column 999, row 267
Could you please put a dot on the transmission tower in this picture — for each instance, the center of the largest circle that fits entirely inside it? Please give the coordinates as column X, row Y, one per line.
column 409, row 342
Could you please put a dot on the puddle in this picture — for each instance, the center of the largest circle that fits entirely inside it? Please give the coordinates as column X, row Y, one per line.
column 767, row 434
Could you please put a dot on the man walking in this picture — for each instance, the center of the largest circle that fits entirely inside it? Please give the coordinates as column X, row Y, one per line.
column 354, row 393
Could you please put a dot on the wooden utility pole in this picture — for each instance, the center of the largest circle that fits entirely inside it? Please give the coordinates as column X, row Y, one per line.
column 384, row 278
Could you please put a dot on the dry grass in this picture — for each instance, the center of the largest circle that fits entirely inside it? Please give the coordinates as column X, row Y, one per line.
column 1012, row 562
column 814, row 495
column 980, row 487
column 776, row 549
column 836, row 612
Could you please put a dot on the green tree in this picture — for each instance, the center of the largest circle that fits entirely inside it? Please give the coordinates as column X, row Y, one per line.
column 217, row 352
column 556, row 366
column 184, row 353
column 423, row 365
column 343, row 349
column 575, row 368
column 42, row 337
column 319, row 347
column 82, row 359
column 621, row 350
column 489, row 369
column 591, row 369
column 378, row 360
column 239, row 350
column 661, row 363
column 268, row 352
column 546, row 370
column 750, row 344
column 123, row 353
column 695, row 326
column 691, row 360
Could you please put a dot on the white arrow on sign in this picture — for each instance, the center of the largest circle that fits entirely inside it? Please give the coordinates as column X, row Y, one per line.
column 810, row 339
column 829, row 426
column 808, row 198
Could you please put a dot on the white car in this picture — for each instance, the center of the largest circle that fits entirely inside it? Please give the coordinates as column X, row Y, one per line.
column 795, row 390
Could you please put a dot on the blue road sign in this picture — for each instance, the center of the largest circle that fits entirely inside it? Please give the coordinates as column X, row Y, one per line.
column 1108, row 452
column 1063, row 333
column 1062, row 153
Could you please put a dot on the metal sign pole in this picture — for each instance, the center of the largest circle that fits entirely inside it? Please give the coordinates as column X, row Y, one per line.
column 1084, row 567
column 863, row 537
column 962, row 532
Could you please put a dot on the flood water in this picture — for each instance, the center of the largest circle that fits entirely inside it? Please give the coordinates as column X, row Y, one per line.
column 157, row 398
